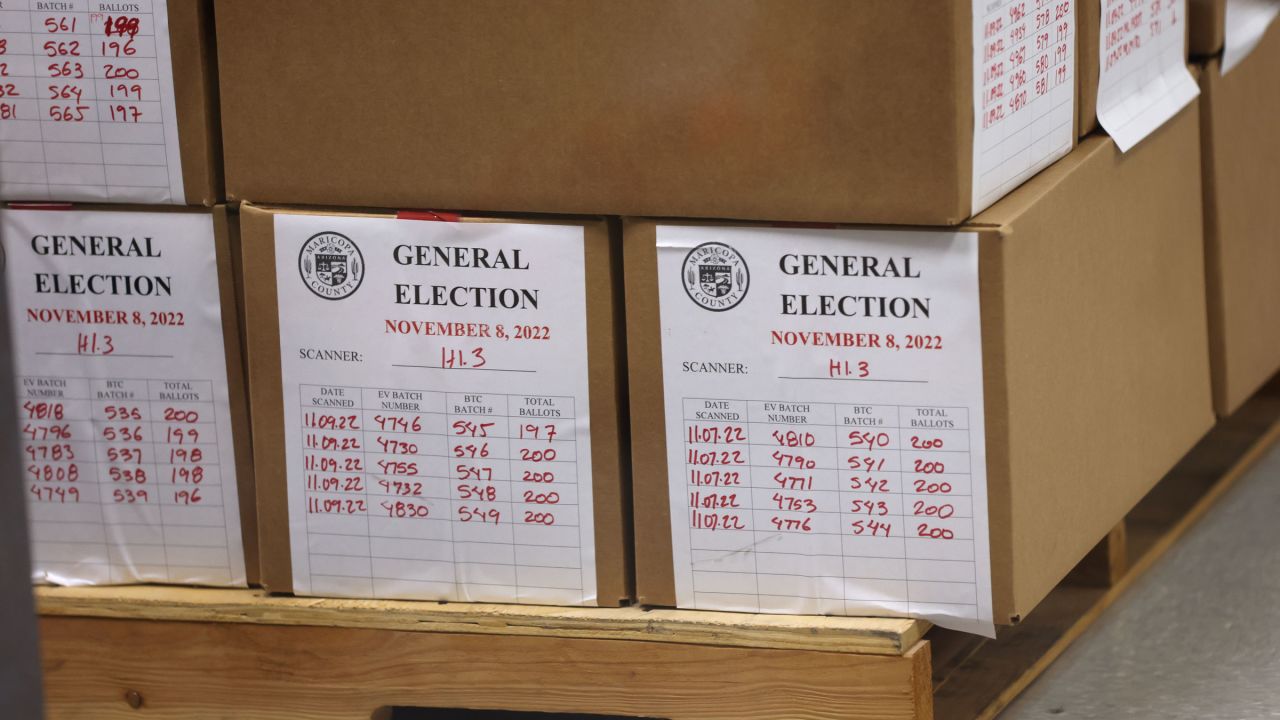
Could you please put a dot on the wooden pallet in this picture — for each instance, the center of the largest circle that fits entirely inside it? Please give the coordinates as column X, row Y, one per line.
column 164, row 652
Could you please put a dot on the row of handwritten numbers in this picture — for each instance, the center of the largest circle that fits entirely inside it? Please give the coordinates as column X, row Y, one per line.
column 64, row 64
column 718, row 476
column 121, row 431
column 1005, row 54
column 472, row 453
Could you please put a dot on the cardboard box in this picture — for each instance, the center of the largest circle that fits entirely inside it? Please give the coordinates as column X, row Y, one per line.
column 1242, row 220
column 1207, row 26
column 269, row 236
column 822, row 110
column 195, row 86
column 1094, row 349
column 226, row 219
column 233, row 338
column 144, row 320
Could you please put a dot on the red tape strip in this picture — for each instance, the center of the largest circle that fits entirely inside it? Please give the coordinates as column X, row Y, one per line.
column 430, row 215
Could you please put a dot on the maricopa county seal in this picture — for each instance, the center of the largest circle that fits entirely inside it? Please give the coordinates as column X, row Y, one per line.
column 716, row 276
column 331, row 265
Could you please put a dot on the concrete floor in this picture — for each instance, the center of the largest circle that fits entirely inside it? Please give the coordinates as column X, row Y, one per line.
column 1198, row 636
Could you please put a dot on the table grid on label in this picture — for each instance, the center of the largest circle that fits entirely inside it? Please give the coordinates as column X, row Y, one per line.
column 81, row 110
column 441, row 495
column 124, row 481
column 829, row 508
column 1027, row 89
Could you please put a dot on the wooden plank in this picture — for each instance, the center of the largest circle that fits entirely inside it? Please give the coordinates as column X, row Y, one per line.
column 108, row 669
column 875, row 636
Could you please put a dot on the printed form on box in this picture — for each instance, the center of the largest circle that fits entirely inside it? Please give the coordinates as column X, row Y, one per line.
column 124, row 419
column 436, row 409
column 87, row 109
column 1024, row 78
column 1143, row 79
column 824, row 418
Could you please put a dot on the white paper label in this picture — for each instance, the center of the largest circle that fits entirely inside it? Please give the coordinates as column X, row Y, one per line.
column 87, row 108
column 125, row 427
column 1245, row 24
column 1024, row 75
column 436, row 409
column 824, row 420
column 1143, row 79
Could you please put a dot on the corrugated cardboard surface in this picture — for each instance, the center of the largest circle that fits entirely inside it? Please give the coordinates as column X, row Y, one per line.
column 195, row 87
column 1095, row 358
column 655, row 574
column 815, row 110
column 605, row 373
column 1208, row 23
column 1241, row 132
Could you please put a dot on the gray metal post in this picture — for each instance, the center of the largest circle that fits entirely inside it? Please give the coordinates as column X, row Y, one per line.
column 20, row 687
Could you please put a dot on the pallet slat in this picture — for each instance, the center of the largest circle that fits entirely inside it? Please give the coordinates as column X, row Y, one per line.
column 869, row 636
column 203, row 671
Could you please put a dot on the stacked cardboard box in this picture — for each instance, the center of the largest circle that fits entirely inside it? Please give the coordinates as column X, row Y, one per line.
column 548, row 110
column 133, row 411
column 911, row 112
column 1237, row 76
column 1241, row 165
column 436, row 406
column 1041, row 318
column 1082, row 337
